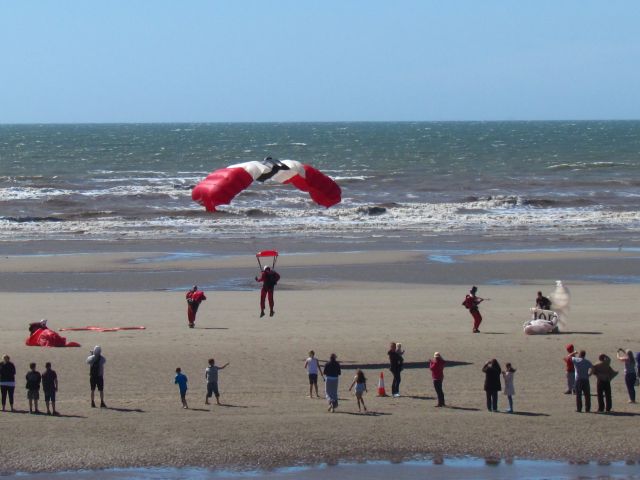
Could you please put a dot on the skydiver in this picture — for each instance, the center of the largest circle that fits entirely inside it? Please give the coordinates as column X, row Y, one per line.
column 194, row 298
column 542, row 302
column 471, row 302
column 269, row 279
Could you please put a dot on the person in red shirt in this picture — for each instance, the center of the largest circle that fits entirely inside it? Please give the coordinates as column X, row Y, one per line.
column 269, row 279
column 570, row 370
column 194, row 298
column 436, row 365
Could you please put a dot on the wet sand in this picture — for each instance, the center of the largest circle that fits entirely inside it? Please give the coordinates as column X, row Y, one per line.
column 352, row 304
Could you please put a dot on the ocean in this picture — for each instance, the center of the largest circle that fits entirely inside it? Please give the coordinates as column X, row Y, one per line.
column 415, row 180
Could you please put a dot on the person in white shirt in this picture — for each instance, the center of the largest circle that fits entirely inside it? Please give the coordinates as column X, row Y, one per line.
column 313, row 369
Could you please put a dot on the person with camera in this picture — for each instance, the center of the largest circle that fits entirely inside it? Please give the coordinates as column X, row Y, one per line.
column 630, row 376
column 96, row 363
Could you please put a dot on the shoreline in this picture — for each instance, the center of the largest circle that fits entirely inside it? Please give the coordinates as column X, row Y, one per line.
column 176, row 269
column 416, row 460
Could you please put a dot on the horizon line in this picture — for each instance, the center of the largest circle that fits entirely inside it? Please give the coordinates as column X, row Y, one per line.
column 245, row 122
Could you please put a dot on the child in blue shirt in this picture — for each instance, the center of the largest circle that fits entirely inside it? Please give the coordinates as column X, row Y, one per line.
column 181, row 380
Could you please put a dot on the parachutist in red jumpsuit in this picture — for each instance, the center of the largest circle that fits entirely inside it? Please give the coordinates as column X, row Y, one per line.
column 471, row 302
column 194, row 298
column 269, row 279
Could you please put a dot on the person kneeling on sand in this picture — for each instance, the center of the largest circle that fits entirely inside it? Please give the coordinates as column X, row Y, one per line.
column 211, row 374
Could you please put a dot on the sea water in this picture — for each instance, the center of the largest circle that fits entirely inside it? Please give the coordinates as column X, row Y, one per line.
column 504, row 179
column 437, row 468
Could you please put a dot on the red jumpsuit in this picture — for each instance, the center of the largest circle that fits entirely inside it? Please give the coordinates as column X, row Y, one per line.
column 472, row 302
column 269, row 279
column 194, row 299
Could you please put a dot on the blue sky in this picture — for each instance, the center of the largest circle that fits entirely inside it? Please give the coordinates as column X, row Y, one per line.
column 342, row 60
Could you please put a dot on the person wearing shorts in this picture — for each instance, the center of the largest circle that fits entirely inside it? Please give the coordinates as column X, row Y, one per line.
column 211, row 375
column 50, row 387
column 33, row 388
column 313, row 369
column 96, row 363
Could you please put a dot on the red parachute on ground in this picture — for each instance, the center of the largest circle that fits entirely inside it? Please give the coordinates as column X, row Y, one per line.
column 221, row 186
column 42, row 336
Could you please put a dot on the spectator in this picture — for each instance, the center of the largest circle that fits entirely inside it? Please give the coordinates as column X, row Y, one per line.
column 583, row 370
column 492, row 384
column 96, row 363
column 436, row 365
column 33, row 388
column 50, row 387
column 332, row 373
column 7, row 381
column 629, row 372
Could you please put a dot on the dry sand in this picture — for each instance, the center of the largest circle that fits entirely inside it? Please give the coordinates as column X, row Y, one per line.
column 267, row 419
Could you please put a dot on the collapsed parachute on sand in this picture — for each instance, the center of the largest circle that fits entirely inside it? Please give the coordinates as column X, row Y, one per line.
column 221, row 186
column 554, row 320
column 42, row 336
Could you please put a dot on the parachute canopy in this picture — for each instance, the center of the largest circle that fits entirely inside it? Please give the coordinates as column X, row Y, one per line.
column 221, row 186
column 266, row 256
column 43, row 337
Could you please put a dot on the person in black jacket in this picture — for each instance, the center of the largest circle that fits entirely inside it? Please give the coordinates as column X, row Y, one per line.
column 331, row 374
column 7, row 381
column 395, row 365
column 492, row 386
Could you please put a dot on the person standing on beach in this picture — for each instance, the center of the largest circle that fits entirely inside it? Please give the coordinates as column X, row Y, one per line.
column 360, row 383
column 332, row 373
column 569, row 369
column 492, row 384
column 395, row 366
column 194, row 298
column 269, row 279
column 33, row 378
column 211, row 375
column 630, row 376
column 436, row 365
column 96, row 363
column 50, row 387
column 509, row 389
column 181, row 380
column 7, row 381
column 471, row 302
column 604, row 374
column 582, row 368
column 313, row 369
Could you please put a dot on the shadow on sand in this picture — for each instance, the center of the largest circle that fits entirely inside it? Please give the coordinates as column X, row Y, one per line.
column 363, row 414
column 125, row 410
column 579, row 333
column 347, row 365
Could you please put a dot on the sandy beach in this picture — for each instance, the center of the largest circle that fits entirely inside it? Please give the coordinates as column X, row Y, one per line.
column 354, row 307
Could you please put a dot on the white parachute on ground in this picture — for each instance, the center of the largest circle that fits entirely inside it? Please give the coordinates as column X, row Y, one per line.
column 554, row 320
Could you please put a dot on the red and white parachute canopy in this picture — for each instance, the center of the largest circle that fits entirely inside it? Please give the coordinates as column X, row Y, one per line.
column 221, row 186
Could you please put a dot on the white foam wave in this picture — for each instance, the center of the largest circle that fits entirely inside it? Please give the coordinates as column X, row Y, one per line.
column 349, row 219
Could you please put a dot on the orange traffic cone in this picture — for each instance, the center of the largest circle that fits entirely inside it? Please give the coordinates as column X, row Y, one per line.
column 381, row 390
